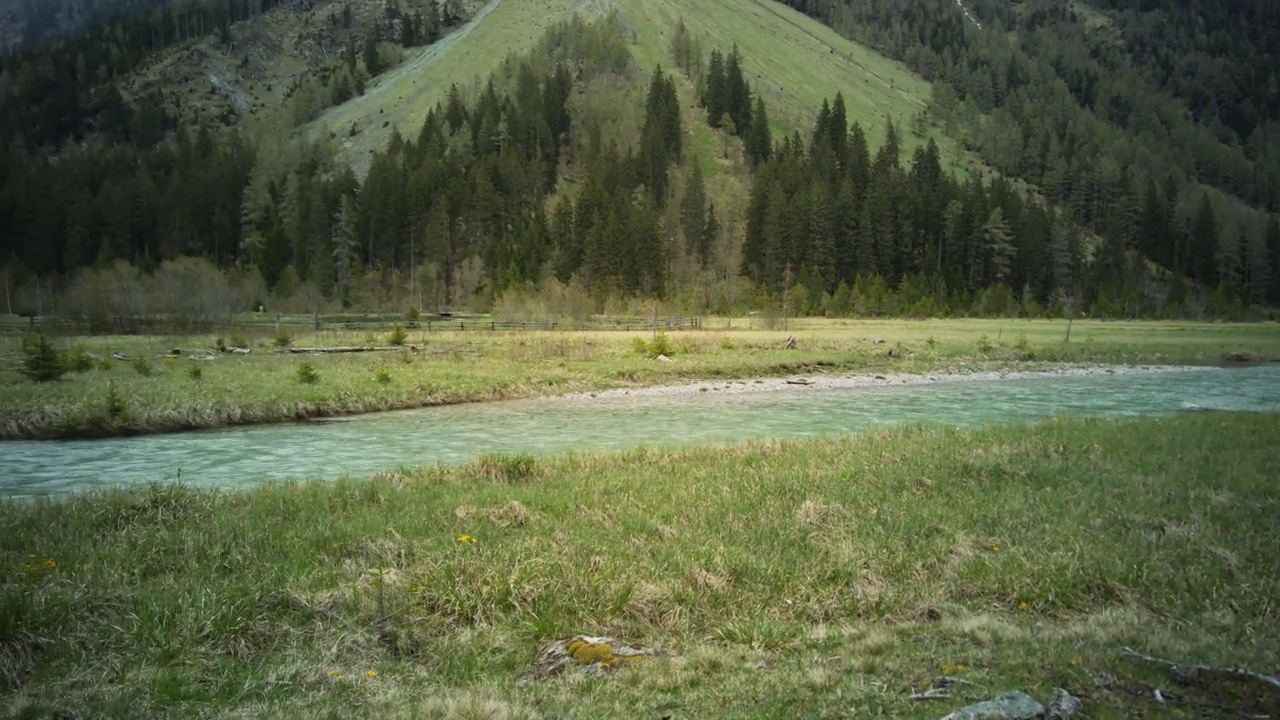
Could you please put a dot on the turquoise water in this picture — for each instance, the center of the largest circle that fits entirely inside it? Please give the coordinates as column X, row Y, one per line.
column 366, row 444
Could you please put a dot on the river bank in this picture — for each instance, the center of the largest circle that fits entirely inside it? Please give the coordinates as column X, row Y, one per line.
column 167, row 394
column 774, row 576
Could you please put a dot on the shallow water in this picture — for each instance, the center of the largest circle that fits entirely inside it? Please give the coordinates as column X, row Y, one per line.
column 366, row 444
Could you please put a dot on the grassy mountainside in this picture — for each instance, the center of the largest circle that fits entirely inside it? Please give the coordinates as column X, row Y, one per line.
column 793, row 60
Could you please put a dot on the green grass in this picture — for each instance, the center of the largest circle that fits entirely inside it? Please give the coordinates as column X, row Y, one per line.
column 823, row 578
column 471, row 366
column 792, row 59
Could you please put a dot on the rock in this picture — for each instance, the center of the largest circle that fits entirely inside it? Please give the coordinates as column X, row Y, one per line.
column 878, row 341
column 663, row 358
column 1062, row 705
column 587, row 655
column 1010, row 706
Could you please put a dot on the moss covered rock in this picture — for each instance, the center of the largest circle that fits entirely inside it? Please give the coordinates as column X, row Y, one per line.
column 587, row 655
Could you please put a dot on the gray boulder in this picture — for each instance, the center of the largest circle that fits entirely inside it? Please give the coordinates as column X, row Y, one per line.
column 1063, row 706
column 1010, row 706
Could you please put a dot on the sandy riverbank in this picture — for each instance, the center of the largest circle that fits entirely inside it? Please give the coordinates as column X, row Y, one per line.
column 831, row 381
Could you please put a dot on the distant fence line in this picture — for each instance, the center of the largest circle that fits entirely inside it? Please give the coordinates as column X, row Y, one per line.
column 258, row 321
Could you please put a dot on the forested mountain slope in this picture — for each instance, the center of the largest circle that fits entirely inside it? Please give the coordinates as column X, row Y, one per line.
column 1155, row 123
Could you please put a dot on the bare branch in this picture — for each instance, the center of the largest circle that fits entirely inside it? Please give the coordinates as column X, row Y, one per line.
column 1192, row 670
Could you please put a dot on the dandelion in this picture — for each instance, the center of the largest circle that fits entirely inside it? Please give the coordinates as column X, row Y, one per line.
column 50, row 564
column 31, row 555
column 466, row 539
column 415, row 589
column 995, row 548
column 1022, row 605
column 939, row 593
column 332, row 673
column 342, row 677
column 372, row 673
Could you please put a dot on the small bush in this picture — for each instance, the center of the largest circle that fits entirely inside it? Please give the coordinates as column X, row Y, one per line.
column 307, row 374
column 41, row 361
column 397, row 336
column 726, row 343
column 661, row 345
column 931, row 341
column 237, row 340
column 1022, row 343
column 406, row 358
column 984, row 344
column 222, row 346
column 106, row 363
column 116, row 407
column 283, row 340
column 413, row 315
column 196, row 372
column 639, row 346
column 78, row 360
column 142, row 366
column 383, row 377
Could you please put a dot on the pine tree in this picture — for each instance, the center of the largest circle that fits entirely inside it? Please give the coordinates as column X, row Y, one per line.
column 41, row 361
column 999, row 243
column 1203, row 265
column 716, row 99
column 1273, row 251
column 344, row 248
column 759, row 141
column 693, row 215
column 737, row 94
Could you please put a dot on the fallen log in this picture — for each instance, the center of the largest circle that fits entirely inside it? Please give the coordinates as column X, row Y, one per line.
column 349, row 349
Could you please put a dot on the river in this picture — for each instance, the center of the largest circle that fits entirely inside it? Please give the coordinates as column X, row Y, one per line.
column 724, row 413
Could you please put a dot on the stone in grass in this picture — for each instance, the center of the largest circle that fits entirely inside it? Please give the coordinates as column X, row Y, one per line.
column 1063, row 706
column 1010, row 706
column 587, row 655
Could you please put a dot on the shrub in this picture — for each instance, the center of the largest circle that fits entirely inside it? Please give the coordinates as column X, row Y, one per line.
column 661, row 345
column 307, row 374
column 383, row 377
column 106, row 363
column 639, row 346
column 78, row 360
column 196, row 372
column 1022, row 343
column 406, row 358
column 41, row 361
column 397, row 336
column 116, row 407
column 237, row 340
column 413, row 315
column 984, row 344
column 931, row 341
column 142, row 366
column 726, row 343
column 283, row 340
column 506, row 468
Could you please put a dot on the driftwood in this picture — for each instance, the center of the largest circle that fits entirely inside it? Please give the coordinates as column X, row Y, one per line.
column 799, row 382
column 349, row 349
column 121, row 357
column 1186, row 673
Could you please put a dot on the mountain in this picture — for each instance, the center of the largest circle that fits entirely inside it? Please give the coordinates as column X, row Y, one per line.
column 722, row 155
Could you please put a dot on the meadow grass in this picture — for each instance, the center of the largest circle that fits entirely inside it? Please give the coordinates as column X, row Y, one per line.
column 468, row 366
column 827, row 578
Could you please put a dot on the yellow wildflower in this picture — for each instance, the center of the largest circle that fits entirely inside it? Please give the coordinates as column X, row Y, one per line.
column 995, row 548
column 466, row 539
column 50, row 564
column 939, row 593
column 332, row 673
column 31, row 555
column 372, row 673
column 342, row 677
column 1022, row 605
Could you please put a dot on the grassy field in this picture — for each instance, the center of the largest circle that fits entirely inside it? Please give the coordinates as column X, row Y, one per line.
column 791, row 58
column 827, row 578
column 468, row 366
